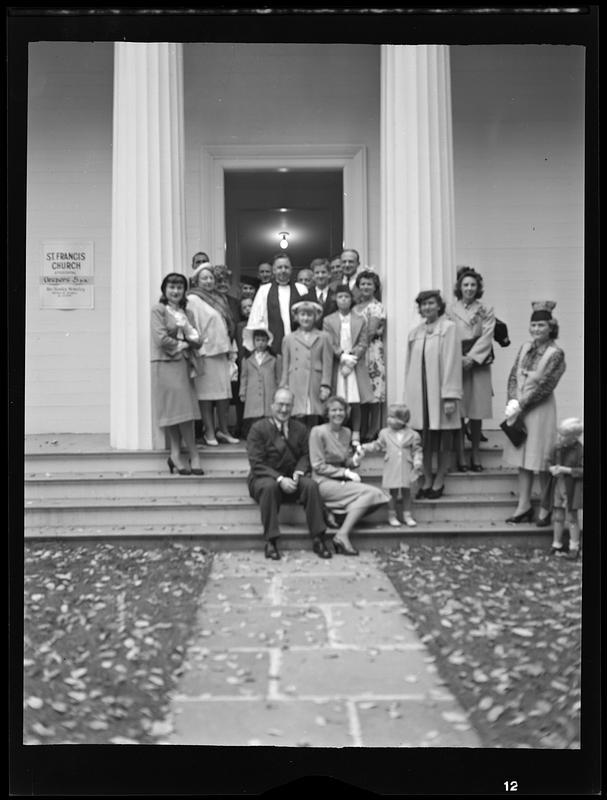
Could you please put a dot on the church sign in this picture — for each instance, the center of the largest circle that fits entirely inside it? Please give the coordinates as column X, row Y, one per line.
column 67, row 275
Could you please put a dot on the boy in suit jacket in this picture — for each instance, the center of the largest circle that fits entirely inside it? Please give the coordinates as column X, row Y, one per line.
column 279, row 461
column 321, row 292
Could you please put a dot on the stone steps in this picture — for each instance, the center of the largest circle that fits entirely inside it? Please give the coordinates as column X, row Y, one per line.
column 238, row 508
column 223, row 458
column 245, row 536
column 87, row 490
column 215, row 483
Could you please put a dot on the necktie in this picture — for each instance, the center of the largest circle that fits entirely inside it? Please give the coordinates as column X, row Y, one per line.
column 345, row 280
column 321, row 297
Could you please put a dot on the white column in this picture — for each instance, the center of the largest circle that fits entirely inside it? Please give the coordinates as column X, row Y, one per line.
column 417, row 208
column 148, row 225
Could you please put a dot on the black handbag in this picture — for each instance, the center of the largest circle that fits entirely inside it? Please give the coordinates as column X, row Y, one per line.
column 500, row 333
column 467, row 346
column 516, row 432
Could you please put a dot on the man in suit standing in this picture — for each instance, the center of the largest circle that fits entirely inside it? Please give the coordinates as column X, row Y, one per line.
column 350, row 264
column 321, row 291
column 277, row 447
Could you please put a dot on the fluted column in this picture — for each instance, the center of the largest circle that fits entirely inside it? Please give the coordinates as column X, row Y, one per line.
column 417, row 208
column 148, row 225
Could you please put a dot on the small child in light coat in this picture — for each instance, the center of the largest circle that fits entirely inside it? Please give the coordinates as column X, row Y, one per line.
column 259, row 377
column 403, row 462
column 564, row 492
column 307, row 364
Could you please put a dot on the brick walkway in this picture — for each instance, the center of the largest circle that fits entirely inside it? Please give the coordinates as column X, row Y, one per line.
column 306, row 652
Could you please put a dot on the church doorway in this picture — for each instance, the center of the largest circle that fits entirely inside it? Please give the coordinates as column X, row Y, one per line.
column 302, row 209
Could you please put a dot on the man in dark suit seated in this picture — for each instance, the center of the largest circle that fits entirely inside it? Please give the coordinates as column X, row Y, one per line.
column 277, row 448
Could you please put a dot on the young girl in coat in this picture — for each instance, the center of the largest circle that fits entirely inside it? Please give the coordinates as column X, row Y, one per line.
column 403, row 462
column 307, row 363
column 259, row 377
column 564, row 492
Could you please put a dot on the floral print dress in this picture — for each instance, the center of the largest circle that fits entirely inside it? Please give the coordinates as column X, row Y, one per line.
column 375, row 315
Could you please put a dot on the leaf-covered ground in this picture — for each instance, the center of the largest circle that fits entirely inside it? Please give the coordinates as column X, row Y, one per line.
column 105, row 629
column 504, row 625
column 106, row 626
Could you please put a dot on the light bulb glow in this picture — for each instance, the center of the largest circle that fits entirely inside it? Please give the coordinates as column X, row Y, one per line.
column 283, row 243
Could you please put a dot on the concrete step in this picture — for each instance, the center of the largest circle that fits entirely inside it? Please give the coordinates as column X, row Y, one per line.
column 246, row 536
column 238, row 509
column 217, row 483
column 224, row 458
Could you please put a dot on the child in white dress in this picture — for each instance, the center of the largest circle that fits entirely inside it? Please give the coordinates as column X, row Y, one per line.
column 403, row 462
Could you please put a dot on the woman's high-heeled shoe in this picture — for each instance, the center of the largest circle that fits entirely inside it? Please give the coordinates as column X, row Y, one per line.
column 173, row 466
column 544, row 522
column 225, row 437
column 526, row 516
column 342, row 550
column 423, row 493
column 198, row 471
column 434, row 494
column 461, row 468
column 474, row 467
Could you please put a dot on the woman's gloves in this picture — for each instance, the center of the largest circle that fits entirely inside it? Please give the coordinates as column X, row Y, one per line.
column 513, row 408
column 350, row 475
column 189, row 332
column 347, row 362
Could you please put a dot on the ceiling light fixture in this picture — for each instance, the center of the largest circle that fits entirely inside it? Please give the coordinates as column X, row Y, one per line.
column 284, row 240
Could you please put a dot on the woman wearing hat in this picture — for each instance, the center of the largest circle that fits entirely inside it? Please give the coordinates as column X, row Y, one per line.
column 537, row 370
column 216, row 325
column 433, row 387
column 307, row 363
column 475, row 323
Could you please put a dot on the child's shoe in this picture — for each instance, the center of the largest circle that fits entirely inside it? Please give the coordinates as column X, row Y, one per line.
column 393, row 520
column 573, row 554
column 408, row 520
column 558, row 551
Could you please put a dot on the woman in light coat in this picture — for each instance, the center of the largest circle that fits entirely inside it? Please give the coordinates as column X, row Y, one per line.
column 475, row 323
column 433, row 387
column 217, row 329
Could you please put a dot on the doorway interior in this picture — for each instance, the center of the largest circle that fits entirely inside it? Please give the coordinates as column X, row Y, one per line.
column 301, row 207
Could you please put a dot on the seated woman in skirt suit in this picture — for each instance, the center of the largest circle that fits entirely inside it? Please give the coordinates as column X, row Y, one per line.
column 333, row 464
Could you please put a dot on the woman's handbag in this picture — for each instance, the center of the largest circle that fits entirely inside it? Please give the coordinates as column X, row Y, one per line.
column 467, row 345
column 515, row 431
column 500, row 333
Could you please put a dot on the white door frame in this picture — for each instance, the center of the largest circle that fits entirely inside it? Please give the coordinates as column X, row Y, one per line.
column 216, row 159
